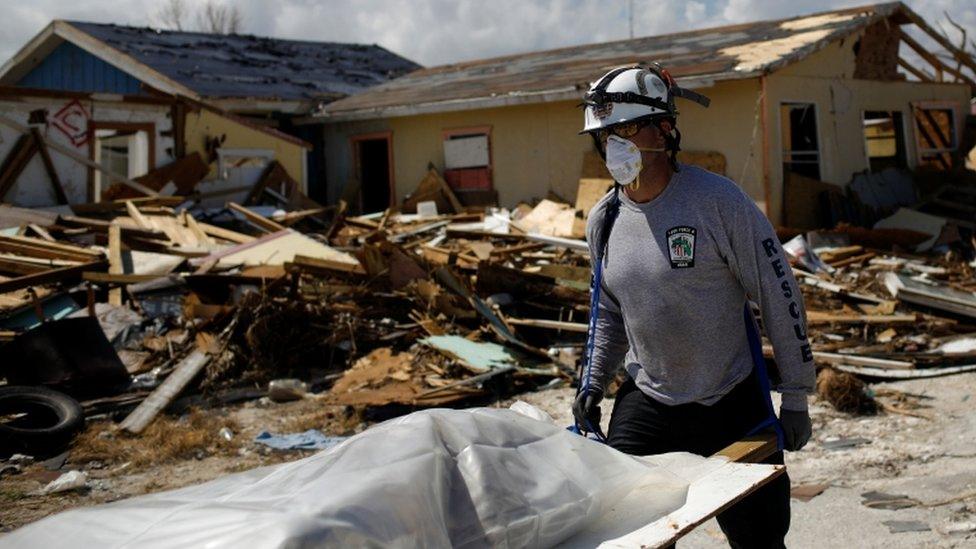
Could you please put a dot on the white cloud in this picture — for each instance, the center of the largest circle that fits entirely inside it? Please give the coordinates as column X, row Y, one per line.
column 434, row 32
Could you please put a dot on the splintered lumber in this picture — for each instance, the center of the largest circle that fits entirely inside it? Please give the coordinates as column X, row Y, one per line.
column 115, row 262
column 811, row 280
column 13, row 124
column 195, row 228
column 141, row 221
column 255, row 219
column 570, row 243
column 185, row 371
column 51, row 276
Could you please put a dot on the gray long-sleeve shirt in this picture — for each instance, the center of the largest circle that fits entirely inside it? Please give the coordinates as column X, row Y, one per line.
column 682, row 268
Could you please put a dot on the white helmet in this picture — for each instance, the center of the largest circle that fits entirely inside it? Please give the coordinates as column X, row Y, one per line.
column 627, row 94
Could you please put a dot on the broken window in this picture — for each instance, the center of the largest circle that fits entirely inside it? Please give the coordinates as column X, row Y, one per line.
column 467, row 159
column 801, row 149
column 935, row 134
column 884, row 139
column 122, row 148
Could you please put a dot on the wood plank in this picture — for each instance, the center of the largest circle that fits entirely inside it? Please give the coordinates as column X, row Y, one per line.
column 255, row 219
column 115, row 262
column 141, row 221
column 12, row 266
column 751, row 449
column 50, row 276
column 41, row 232
column 226, row 234
column 52, row 173
column 857, row 360
column 197, row 231
column 159, row 399
column 7, row 244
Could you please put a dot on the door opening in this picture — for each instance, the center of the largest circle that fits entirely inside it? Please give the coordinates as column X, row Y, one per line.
column 374, row 168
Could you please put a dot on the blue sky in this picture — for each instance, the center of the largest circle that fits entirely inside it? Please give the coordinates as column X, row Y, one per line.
column 434, row 32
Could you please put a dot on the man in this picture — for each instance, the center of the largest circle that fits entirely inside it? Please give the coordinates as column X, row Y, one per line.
column 678, row 252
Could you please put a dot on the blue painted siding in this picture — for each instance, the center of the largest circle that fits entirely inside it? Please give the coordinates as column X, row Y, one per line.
column 71, row 68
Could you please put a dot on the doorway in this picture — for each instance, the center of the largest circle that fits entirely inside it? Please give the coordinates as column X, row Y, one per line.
column 373, row 161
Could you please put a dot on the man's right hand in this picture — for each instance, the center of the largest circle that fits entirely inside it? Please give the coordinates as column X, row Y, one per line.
column 586, row 410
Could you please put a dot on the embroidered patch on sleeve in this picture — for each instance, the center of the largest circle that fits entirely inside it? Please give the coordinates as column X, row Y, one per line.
column 681, row 247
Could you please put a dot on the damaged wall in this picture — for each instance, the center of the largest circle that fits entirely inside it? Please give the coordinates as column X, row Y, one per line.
column 204, row 124
column 826, row 80
column 68, row 120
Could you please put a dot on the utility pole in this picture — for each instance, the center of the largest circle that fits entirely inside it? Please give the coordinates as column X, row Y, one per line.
column 630, row 16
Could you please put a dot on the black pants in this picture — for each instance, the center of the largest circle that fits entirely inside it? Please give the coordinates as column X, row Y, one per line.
column 641, row 425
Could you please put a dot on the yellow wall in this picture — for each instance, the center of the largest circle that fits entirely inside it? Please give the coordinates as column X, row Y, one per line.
column 535, row 148
column 203, row 123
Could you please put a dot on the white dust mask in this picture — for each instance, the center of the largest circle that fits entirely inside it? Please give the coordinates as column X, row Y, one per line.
column 624, row 159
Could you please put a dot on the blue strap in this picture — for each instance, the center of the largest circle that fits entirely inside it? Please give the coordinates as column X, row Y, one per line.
column 759, row 363
column 610, row 215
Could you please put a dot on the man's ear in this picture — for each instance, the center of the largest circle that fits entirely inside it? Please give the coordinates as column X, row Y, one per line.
column 665, row 126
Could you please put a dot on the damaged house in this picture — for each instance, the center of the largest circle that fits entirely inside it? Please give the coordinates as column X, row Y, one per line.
column 264, row 80
column 795, row 103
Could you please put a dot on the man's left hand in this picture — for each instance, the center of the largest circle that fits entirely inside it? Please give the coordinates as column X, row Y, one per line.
column 797, row 428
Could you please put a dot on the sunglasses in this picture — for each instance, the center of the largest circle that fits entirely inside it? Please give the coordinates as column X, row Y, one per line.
column 625, row 130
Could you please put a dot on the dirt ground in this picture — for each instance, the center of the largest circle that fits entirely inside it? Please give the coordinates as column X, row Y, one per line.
column 932, row 462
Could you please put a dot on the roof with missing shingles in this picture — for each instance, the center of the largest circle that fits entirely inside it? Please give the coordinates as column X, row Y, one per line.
column 707, row 55
column 244, row 66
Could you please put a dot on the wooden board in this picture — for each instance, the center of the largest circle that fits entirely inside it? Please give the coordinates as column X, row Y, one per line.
column 185, row 371
column 707, row 496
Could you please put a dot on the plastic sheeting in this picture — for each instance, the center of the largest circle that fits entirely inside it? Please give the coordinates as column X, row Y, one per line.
column 436, row 478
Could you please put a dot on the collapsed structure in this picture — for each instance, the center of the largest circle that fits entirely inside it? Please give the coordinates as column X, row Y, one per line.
column 160, row 253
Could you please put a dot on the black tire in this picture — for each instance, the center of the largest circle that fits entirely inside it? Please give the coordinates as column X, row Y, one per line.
column 37, row 421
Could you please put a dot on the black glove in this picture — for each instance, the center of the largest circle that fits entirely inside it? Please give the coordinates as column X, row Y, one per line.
column 586, row 410
column 797, row 428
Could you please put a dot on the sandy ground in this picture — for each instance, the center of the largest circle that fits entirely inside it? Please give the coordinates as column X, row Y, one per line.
column 930, row 460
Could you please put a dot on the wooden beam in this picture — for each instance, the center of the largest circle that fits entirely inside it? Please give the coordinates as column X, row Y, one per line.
column 551, row 324
column 50, row 277
column 916, row 72
column 101, row 226
column 137, row 216
column 960, row 56
column 115, row 262
column 15, row 162
column 52, row 173
column 197, row 231
column 255, row 219
column 923, row 53
column 9, row 122
column 182, row 375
